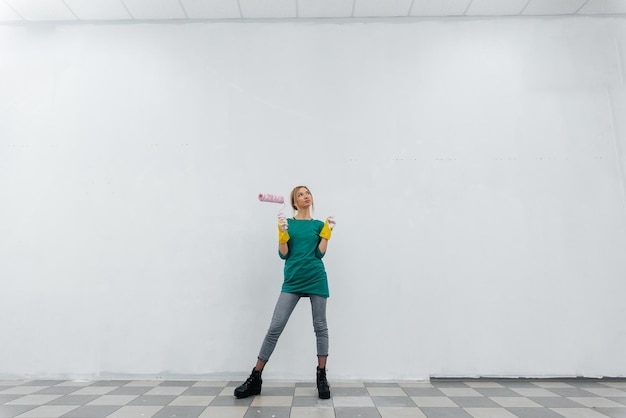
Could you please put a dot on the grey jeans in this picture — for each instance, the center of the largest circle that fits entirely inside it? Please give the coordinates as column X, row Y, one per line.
column 284, row 307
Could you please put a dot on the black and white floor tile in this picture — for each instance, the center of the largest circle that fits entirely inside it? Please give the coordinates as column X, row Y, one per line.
column 438, row 398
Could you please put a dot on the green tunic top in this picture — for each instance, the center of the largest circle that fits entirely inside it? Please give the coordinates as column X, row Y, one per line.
column 304, row 269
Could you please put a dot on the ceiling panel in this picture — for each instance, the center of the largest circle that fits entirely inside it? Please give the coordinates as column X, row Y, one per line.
column 155, row 9
column 496, row 7
column 212, row 9
column 553, row 7
column 41, row 9
column 33, row 11
column 325, row 8
column 604, row 7
column 439, row 7
column 98, row 9
column 268, row 9
column 377, row 8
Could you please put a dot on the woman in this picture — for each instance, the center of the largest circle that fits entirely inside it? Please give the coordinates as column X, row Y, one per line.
column 302, row 242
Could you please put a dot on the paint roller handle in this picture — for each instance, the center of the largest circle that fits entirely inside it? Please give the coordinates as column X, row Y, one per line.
column 282, row 221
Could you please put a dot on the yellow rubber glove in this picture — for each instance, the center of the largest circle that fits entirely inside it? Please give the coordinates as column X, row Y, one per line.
column 327, row 229
column 283, row 235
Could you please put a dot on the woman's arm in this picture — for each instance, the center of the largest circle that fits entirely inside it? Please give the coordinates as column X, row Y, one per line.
column 325, row 234
column 283, row 236
column 323, row 245
column 283, row 248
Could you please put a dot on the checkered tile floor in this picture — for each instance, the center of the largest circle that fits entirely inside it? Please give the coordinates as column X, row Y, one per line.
column 577, row 398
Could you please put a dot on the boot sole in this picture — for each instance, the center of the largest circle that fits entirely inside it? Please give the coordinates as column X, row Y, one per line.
column 243, row 396
column 324, row 395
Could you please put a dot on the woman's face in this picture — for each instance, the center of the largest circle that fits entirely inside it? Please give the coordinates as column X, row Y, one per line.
column 303, row 198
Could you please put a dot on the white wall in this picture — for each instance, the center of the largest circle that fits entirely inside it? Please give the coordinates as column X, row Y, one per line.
column 475, row 169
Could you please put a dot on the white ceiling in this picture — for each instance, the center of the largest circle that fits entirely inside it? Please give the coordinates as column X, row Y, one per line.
column 185, row 10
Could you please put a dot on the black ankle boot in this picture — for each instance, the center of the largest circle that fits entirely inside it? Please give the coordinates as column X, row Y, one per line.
column 323, row 389
column 252, row 386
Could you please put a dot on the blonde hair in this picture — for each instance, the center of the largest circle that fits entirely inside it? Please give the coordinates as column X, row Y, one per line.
column 293, row 198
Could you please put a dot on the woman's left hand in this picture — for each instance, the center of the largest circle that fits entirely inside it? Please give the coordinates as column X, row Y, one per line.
column 327, row 229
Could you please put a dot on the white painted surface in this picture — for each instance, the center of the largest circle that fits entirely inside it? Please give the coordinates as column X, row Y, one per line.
column 475, row 169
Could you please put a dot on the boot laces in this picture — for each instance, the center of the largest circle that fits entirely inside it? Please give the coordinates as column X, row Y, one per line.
column 322, row 377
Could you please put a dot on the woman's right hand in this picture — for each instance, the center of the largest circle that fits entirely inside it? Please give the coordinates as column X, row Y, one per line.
column 283, row 235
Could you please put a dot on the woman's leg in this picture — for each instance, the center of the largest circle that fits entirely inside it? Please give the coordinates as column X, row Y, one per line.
column 321, row 362
column 318, row 307
column 284, row 307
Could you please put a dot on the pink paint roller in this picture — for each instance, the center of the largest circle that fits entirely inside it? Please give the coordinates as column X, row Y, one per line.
column 266, row 197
